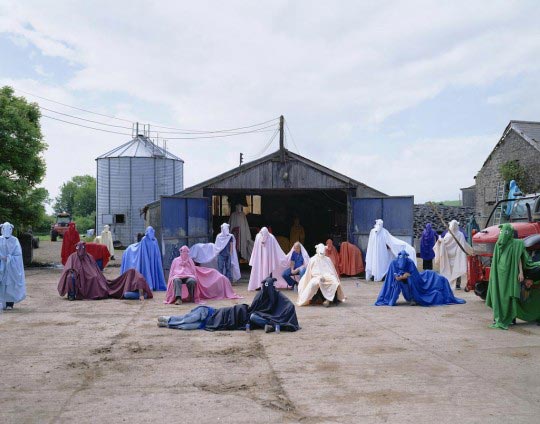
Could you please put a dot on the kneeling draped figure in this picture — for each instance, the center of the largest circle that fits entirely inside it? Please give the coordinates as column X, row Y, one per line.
column 426, row 289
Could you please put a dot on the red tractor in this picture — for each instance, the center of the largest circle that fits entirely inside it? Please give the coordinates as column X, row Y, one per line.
column 524, row 217
column 60, row 226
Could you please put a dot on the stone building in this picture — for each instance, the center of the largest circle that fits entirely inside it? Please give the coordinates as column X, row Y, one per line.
column 520, row 142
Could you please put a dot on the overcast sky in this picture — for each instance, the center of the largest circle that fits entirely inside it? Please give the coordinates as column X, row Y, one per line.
column 408, row 97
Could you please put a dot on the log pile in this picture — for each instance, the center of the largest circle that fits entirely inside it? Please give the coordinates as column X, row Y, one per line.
column 425, row 213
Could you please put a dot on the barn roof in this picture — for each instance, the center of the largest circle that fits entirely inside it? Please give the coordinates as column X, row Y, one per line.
column 347, row 181
column 528, row 130
column 140, row 147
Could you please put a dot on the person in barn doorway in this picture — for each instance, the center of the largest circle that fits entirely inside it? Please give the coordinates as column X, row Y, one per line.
column 297, row 232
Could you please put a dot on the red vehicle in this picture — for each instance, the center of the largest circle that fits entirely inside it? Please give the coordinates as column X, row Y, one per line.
column 61, row 226
column 524, row 217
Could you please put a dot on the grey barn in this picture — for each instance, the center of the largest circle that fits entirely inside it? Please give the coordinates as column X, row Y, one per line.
column 520, row 142
column 274, row 190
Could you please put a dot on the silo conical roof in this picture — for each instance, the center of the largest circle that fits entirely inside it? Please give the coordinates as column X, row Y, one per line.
column 140, row 147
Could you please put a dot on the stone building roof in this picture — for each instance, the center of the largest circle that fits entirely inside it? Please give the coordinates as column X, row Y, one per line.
column 527, row 130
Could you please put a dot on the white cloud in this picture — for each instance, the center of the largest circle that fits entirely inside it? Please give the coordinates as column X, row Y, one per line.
column 336, row 70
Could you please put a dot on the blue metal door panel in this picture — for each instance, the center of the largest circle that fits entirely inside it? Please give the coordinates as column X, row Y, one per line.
column 395, row 211
column 184, row 221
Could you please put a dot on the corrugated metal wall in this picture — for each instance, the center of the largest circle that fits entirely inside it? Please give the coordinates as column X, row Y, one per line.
column 126, row 184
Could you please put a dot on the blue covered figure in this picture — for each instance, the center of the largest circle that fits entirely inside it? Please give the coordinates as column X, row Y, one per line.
column 145, row 257
column 426, row 289
column 12, row 284
column 513, row 192
column 427, row 241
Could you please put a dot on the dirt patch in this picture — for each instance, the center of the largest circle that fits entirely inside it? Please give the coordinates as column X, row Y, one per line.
column 383, row 397
column 384, row 349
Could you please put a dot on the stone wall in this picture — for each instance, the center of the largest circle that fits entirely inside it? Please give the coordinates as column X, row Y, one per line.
column 513, row 147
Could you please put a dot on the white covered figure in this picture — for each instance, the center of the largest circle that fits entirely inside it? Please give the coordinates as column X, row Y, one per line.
column 106, row 239
column 267, row 258
column 238, row 220
column 12, row 283
column 320, row 274
column 220, row 255
column 451, row 259
column 382, row 249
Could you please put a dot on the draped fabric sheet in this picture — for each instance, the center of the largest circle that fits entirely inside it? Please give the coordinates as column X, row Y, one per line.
column 12, row 281
column 98, row 251
column 382, row 248
column 451, row 259
column 82, row 273
column 239, row 220
column 513, row 192
column 210, row 283
column 320, row 274
column 332, row 253
column 427, row 241
column 350, row 259
column 274, row 307
column 503, row 294
column 426, row 289
column 267, row 258
column 106, row 239
column 268, row 304
column 145, row 257
column 206, row 253
column 69, row 242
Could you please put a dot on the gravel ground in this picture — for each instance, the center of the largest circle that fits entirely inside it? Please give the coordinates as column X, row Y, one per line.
column 107, row 361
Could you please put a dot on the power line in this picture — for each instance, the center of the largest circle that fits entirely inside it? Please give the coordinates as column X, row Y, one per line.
column 83, row 119
column 178, row 130
column 292, row 138
column 85, row 126
column 74, row 107
column 266, row 146
column 261, row 130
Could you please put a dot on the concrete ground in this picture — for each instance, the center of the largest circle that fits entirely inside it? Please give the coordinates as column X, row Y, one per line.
column 107, row 361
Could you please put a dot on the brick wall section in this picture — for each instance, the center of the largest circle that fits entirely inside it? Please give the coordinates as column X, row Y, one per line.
column 513, row 147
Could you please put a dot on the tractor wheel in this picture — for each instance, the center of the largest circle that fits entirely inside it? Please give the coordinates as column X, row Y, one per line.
column 480, row 289
column 54, row 235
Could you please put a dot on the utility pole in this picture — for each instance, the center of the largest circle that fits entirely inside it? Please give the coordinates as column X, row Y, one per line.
column 241, row 159
column 282, row 138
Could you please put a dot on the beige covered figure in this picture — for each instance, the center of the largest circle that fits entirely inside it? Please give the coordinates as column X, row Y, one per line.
column 320, row 274
column 239, row 225
column 451, row 259
column 297, row 233
column 106, row 239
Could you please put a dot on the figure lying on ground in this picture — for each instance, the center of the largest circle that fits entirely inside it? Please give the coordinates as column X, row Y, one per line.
column 270, row 310
column 426, row 289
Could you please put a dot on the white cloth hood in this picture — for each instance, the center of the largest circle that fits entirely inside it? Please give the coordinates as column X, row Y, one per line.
column 7, row 229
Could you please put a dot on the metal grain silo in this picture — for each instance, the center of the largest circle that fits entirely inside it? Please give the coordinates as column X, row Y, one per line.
column 129, row 177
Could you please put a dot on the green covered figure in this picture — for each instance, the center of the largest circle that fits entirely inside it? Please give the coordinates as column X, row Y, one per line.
column 508, row 282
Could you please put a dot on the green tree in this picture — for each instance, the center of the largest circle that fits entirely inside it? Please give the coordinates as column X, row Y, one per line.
column 77, row 196
column 513, row 170
column 22, row 166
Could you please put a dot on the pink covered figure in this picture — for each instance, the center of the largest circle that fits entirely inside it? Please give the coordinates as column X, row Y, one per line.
column 210, row 283
column 267, row 258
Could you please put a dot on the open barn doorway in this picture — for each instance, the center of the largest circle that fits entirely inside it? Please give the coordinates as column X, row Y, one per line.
column 322, row 213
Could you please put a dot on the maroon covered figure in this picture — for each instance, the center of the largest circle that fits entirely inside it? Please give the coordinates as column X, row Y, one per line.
column 82, row 280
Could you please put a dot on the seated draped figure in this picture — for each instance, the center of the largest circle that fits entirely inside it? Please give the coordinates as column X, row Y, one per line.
column 320, row 283
column 426, row 289
column 191, row 283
